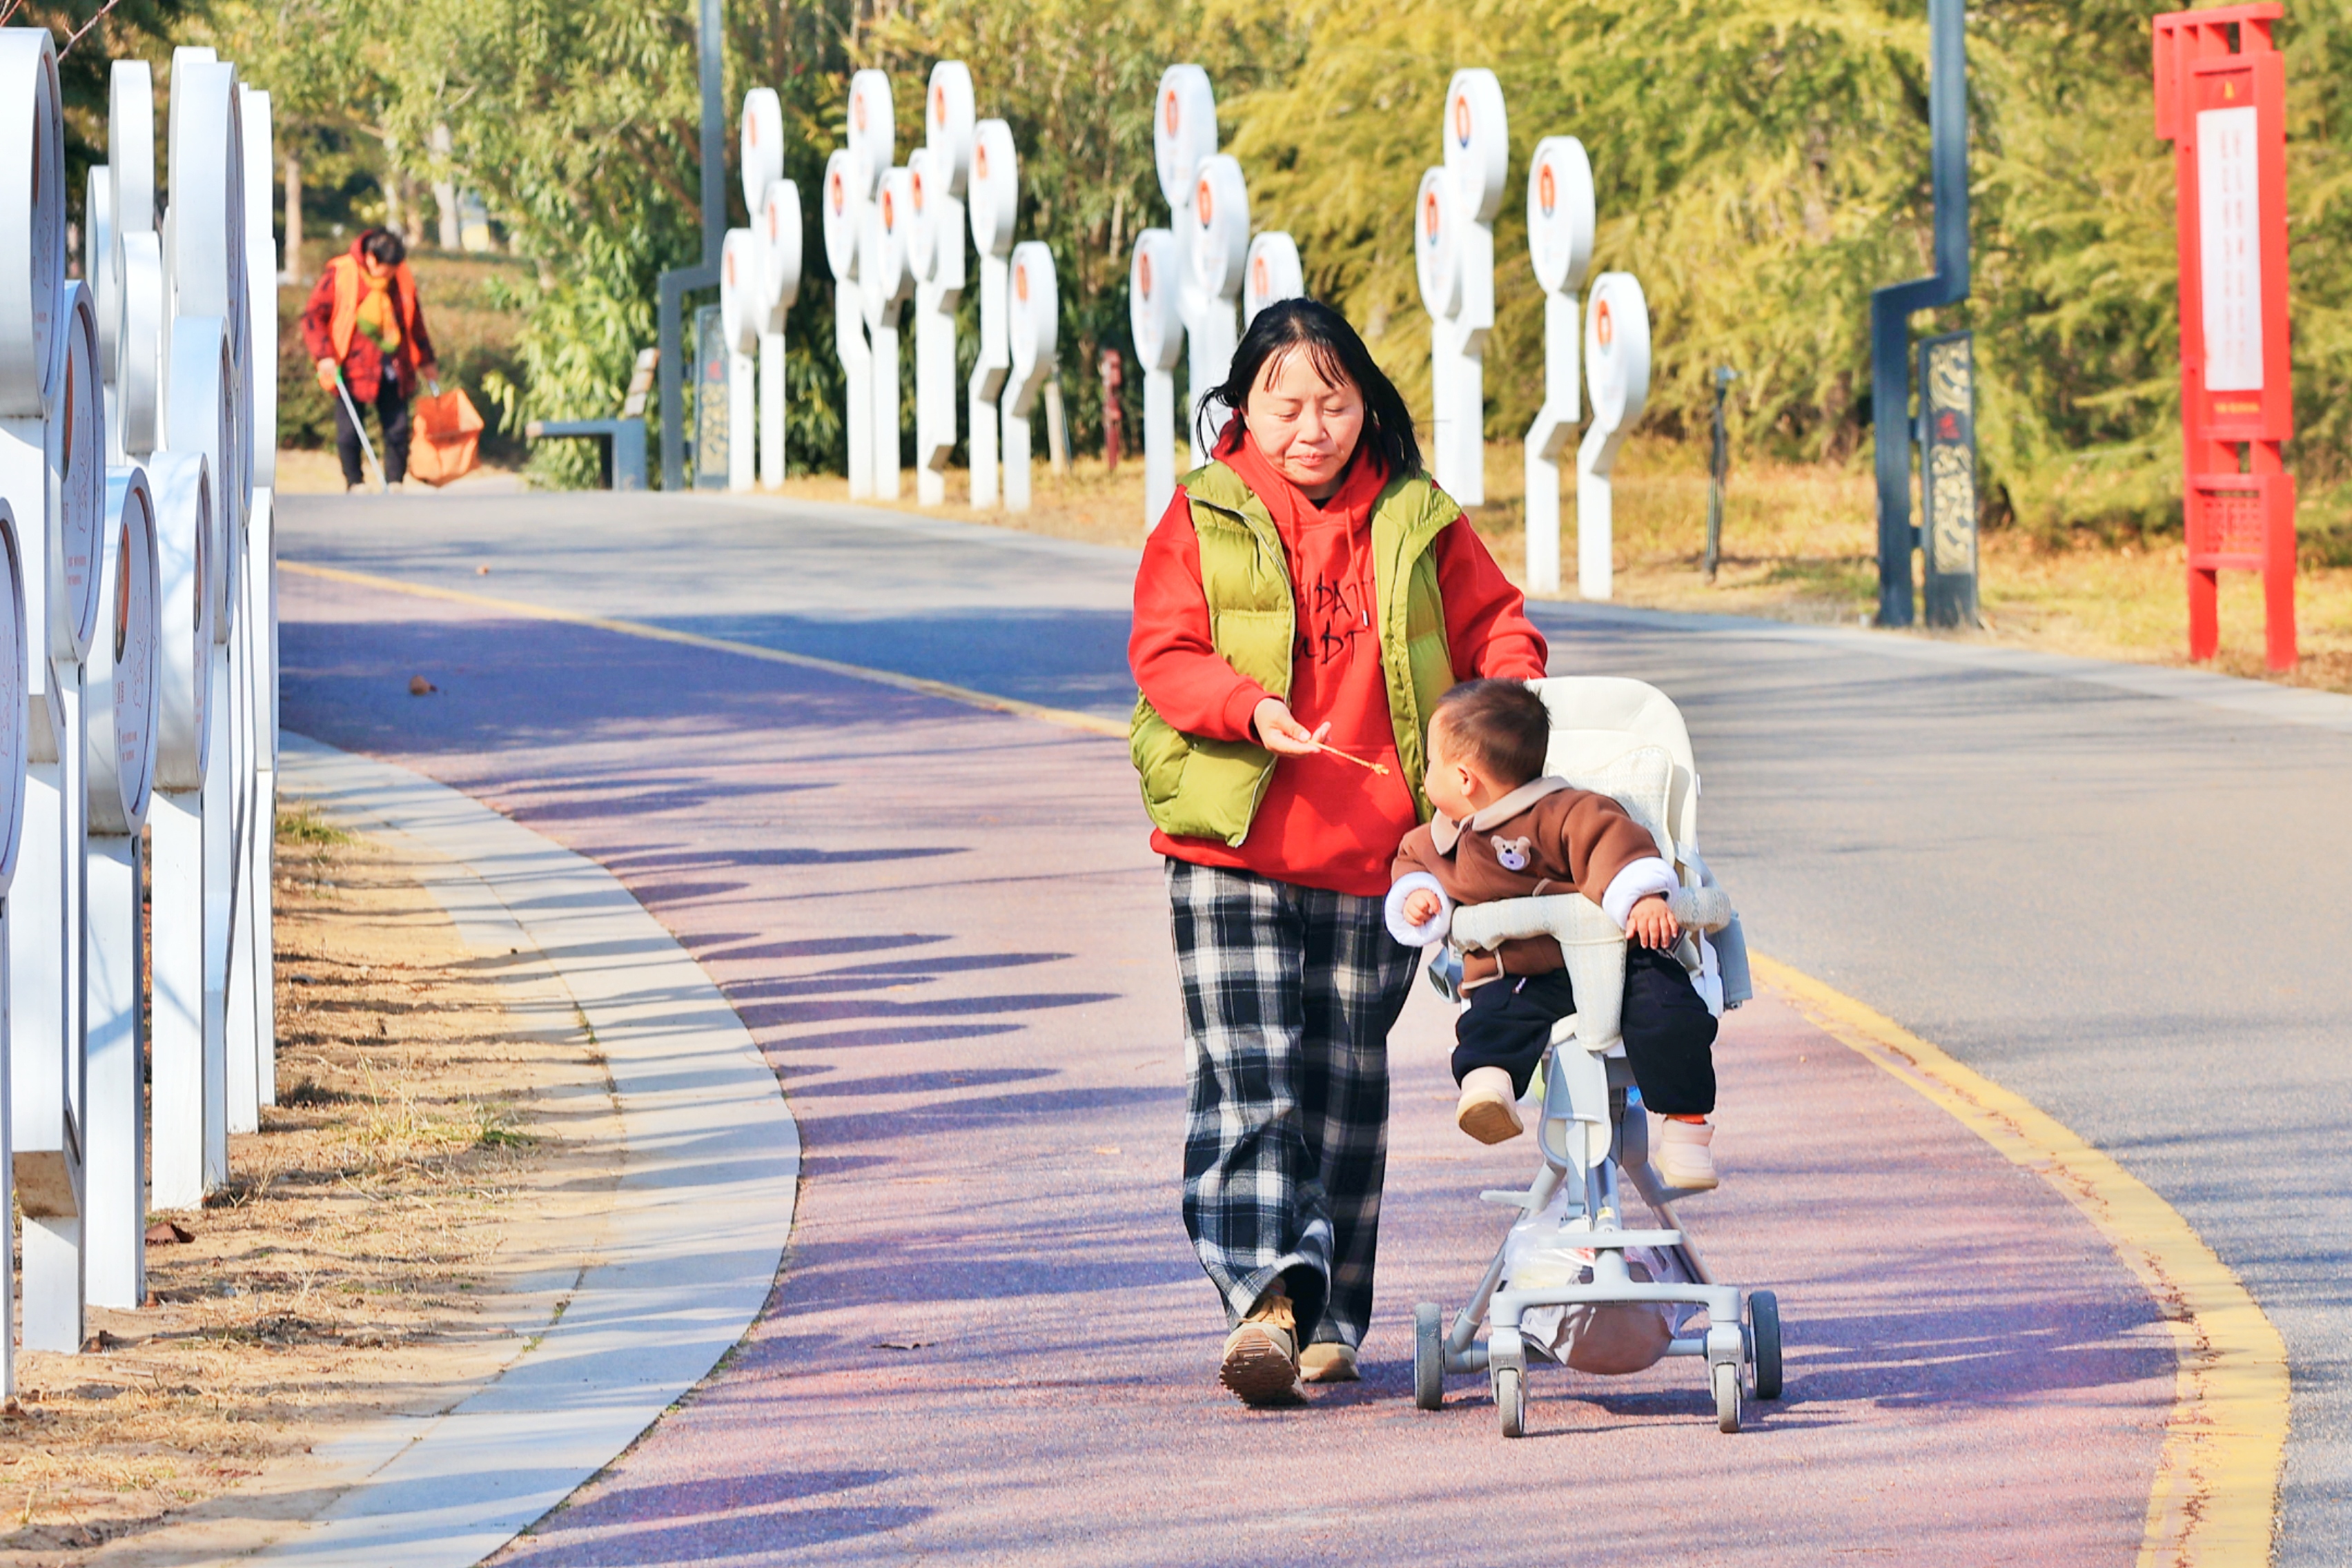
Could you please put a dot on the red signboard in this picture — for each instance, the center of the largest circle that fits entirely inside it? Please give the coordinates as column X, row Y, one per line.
column 2220, row 97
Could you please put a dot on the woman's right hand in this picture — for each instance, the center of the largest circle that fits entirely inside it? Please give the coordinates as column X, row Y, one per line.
column 1283, row 734
column 327, row 371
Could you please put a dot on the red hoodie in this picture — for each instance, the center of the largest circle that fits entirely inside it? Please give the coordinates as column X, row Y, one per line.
column 1324, row 823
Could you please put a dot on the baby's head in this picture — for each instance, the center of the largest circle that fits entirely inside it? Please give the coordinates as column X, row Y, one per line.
column 1486, row 739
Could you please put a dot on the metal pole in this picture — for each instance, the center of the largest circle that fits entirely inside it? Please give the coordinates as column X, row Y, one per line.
column 1890, row 307
column 677, row 283
column 1718, row 471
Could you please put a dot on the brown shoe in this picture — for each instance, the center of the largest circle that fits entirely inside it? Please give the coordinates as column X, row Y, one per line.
column 1326, row 1361
column 1261, row 1363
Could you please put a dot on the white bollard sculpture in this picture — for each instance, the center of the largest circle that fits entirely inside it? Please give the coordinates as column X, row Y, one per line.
column 995, row 203
column 873, row 137
column 53, row 475
column 1617, row 369
column 180, row 484
column 1218, row 244
column 939, row 173
column 253, row 1004
column 774, row 204
column 739, row 315
column 33, row 296
column 1559, row 244
column 1157, row 327
column 189, row 825
column 14, row 686
column 886, row 282
column 1454, row 249
column 844, row 215
column 1273, row 273
column 1183, row 138
column 1032, row 329
column 778, row 227
column 206, row 250
column 121, row 684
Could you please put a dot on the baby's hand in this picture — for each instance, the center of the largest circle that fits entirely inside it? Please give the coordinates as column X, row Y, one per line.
column 1422, row 906
column 1651, row 924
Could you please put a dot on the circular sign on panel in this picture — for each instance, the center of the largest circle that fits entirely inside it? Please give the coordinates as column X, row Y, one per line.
column 838, row 212
column 947, row 125
column 131, row 144
column 1436, row 257
column 1220, row 209
column 1152, row 318
column 73, row 543
column 1477, row 141
column 778, row 228
column 1617, row 348
column 14, row 690
column 895, row 215
column 33, row 235
column 1560, row 214
column 995, row 187
column 873, row 138
column 1033, row 317
column 922, row 242
column 139, row 372
column 198, row 409
column 1273, row 273
column 763, row 148
column 1183, row 130
column 181, row 485
column 118, row 680
column 738, row 284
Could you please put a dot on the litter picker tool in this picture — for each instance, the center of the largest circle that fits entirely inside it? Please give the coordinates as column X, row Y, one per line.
column 366, row 446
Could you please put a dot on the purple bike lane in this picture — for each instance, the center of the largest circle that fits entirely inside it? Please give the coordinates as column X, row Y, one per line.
column 989, row 1342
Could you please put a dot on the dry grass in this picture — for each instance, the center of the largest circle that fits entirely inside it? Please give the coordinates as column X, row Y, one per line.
column 346, row 1267
column 1799, row 545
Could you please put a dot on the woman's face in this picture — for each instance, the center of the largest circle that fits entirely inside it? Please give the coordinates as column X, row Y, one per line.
column 1302, row 425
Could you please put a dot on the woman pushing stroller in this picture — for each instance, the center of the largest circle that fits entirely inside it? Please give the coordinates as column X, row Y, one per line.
column 1308, row 593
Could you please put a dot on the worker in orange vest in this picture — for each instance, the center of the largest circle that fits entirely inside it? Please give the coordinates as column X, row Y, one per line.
column 365, row 328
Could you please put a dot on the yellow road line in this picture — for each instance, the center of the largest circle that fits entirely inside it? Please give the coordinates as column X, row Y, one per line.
column 1067, row 718
column 2216, row 1491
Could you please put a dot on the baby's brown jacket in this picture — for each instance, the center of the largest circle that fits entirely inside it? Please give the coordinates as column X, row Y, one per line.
column 1560, row 837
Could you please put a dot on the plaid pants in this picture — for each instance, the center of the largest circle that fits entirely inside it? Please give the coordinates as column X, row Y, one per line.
column 1289, row 993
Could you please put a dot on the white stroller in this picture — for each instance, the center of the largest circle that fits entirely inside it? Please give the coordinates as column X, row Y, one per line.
column 1571, row 1283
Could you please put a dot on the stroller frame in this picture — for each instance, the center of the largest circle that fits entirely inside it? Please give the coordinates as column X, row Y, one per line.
column 1592, row 1131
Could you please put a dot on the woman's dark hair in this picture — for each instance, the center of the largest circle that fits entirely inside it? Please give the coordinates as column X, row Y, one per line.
column 385, row 245
column 1338, row 356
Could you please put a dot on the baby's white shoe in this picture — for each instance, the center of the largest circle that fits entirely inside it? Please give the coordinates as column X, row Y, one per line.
column 1488, row 1111
column 1682, row 1158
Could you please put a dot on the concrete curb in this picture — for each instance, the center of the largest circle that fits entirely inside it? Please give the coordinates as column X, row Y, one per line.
column 700, row 1216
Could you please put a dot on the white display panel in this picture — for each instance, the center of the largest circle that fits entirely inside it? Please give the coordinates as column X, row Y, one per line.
column 2230, row 249
column 1560, row 245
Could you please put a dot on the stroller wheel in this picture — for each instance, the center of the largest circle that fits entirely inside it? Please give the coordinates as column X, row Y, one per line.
column 1511, row 1400
column 1726, row 1395
column 1764, row 1342
column 1428, row 1356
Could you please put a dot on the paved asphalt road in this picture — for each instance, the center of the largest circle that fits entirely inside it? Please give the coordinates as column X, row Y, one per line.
column 2130, row 907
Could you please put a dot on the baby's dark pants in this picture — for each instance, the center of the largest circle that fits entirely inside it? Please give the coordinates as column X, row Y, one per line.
column 1669, row 1034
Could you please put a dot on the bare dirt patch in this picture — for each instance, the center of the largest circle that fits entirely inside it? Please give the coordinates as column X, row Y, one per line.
column 443, row 1135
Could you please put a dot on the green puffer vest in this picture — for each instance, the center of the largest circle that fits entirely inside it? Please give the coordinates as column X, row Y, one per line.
column 1197, row 788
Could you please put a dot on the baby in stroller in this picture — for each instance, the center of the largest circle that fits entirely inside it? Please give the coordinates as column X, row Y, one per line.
column 1505, row 831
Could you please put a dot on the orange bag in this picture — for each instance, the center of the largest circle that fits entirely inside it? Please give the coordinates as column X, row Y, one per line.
column 445, row 435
